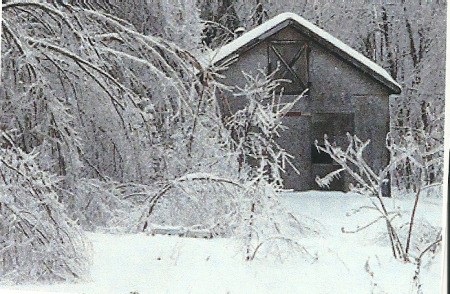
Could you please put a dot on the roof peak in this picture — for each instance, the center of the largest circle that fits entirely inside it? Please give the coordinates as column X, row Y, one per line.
column 254, row 36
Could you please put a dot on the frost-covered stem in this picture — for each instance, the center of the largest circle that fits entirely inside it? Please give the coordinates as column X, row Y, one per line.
column 248, row 256
column 416, row 278
column 396, row 244
column 153, row 203
column 288, row 240
column 170, row 185
column 201, row 94
column 411, row 222
column 391, row 239
column 46, row 8
column 363, row 227
column 13, row 36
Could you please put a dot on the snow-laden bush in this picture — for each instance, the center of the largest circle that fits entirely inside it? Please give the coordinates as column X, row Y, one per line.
column 371, row 184
column 265, row 228
column 264, row 225
column 38, row 241
column 256, row 127
column 410, row 242
column 233, row 189
column 102, row 205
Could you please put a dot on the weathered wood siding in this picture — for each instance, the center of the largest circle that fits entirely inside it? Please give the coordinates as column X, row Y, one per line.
column 335, row 86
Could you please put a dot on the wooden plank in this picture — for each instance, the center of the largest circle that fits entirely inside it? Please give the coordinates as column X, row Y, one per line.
column 283, row 42
column 182, row 232
column 297, row 114
column 297, row 56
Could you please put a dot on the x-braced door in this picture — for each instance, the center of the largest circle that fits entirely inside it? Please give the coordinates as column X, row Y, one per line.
column 289, row 60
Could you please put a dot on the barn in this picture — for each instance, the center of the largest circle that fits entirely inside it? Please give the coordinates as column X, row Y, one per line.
column 347, row 92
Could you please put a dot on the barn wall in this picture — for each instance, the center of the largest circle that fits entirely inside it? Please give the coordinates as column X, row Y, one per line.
column 335, row 87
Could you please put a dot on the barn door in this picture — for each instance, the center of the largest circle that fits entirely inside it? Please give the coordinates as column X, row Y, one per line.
column 335, row 126
column 296, row 141
column 289, row 60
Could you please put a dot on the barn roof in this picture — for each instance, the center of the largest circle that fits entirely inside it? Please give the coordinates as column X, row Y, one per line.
column 279, row 22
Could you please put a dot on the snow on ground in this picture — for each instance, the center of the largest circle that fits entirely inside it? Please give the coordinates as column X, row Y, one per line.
column 168, row 264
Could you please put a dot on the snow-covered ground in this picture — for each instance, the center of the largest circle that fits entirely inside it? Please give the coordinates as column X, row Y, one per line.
column 168, row 264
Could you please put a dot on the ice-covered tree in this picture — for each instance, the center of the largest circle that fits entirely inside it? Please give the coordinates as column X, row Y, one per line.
column 38, row 241
column 97, row 109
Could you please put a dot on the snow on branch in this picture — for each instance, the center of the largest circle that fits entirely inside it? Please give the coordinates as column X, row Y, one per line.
column 38, row 242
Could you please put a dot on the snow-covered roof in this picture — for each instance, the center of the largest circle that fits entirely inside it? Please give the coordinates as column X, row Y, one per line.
column 272, row 26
